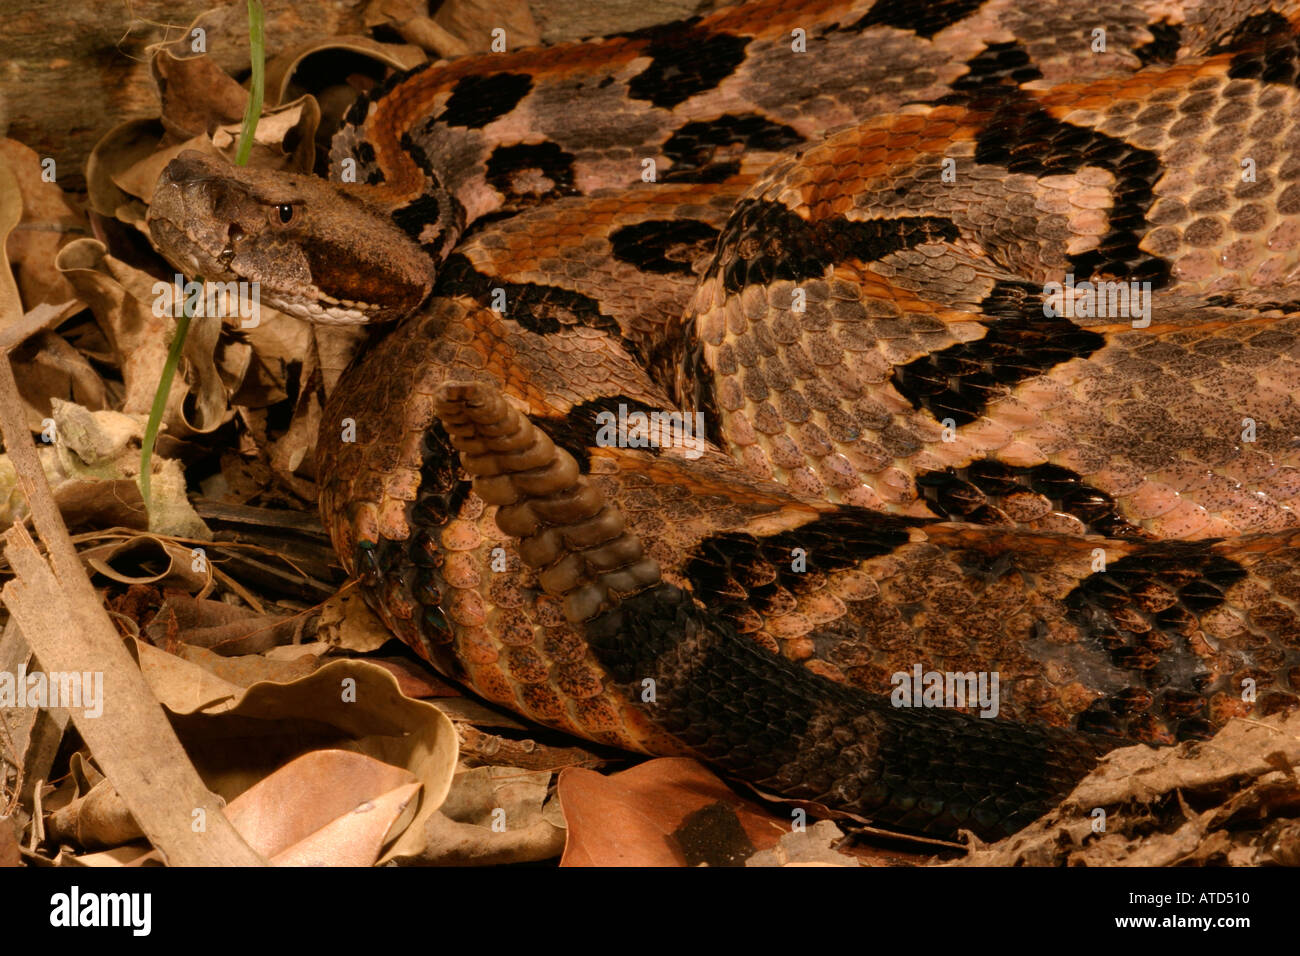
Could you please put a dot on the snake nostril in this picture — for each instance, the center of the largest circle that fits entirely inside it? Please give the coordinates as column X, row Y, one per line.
column 235, row 232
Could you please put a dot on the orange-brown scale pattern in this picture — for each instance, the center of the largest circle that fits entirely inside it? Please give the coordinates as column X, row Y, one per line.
column 878, row 597
column 1154, row 418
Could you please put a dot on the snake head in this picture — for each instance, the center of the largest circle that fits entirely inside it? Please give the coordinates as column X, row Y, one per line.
column 317, row 251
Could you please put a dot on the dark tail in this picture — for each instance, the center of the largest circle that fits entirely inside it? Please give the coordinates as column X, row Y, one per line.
column 754, row 715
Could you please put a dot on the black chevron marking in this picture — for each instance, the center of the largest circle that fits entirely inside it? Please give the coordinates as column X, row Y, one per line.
column 684, row 61
column 997, row 65
column 1163, row 48
column 543, row 309
column 1023, row 138
column 706, row 152
column 1143, row 608
column 767, row 240
column 530, row 173
column 958, row 382
column 736, row 570
column 973, row 494
column 923, row 19
column 576, row 432
column 664, row 246
column 478, row 100
column 765, row 719
column 1250, row 31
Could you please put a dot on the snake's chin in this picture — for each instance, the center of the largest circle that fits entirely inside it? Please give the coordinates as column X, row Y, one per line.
column 321, row 314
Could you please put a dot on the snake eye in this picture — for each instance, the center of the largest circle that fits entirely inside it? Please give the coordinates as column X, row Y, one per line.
column 284, row 212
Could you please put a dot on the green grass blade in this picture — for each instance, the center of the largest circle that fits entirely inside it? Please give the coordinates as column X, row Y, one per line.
column 257, row 54
column 160, row 401
column 257, row 57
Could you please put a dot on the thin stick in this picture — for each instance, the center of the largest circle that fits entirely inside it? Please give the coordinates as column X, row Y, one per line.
column 69, row 631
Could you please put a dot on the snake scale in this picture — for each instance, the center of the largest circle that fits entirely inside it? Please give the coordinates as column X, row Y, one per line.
column 855, row 237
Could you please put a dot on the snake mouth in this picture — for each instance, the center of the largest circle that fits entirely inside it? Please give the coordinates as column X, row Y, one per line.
column 188, row 249
column 185, row 250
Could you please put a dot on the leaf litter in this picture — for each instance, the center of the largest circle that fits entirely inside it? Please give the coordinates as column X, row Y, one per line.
column 325, row 741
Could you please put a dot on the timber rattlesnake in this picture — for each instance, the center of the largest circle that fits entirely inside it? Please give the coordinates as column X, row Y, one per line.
column 845, row 234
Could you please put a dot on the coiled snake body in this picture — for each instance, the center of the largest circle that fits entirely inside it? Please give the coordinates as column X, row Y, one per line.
column 857, row 239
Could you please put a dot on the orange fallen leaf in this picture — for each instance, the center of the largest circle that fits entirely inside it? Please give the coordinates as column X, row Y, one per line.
column 631, row 818
column 327, row 808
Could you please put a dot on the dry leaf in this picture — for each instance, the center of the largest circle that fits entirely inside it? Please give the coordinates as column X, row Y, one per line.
column 130, row 854
column 1135, row 808
column 347, row 623
column 563, row 20
column 219, row 626
column 94, row 820
column 327, row 808
column 137, row 335
column 236, row 736
column 526, row 754
column 11, row 212
column 473, row 22
column 416, row 680
column 629, row 818
column 280, row 70
column 46, row 366
column 814, row 846
column 9, row 845
column 120, row 560
column 196, row 94
column 181, row 686
column 30, row 737
column 299, row 118
column 116, row 151
column 93, row 466
column 47, row 222
column 249, row 669
column 494, row 815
